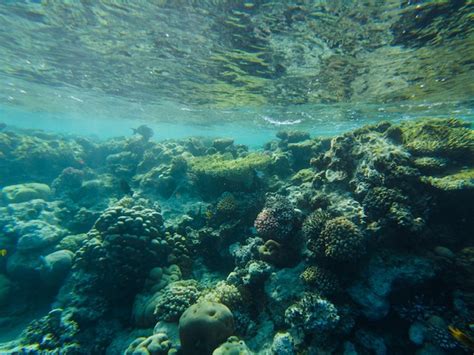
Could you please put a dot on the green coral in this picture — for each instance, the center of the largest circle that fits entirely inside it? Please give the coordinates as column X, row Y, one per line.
column 460, row 180
column 227, row 205
column 222, row 170
column 303, row 175
column 439, row 137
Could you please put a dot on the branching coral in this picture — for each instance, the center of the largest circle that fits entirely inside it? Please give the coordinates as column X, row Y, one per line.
column 313, row 314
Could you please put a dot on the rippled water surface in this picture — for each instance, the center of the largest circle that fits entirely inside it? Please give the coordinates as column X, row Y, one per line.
column 319, row 65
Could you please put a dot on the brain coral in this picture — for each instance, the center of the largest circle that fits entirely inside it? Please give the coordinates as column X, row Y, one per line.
column 204, row 326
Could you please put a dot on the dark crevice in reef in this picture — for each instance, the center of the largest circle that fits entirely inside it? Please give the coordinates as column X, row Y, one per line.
column 360, row 243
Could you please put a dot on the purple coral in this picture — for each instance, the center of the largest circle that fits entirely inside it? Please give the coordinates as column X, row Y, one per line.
column 277, row 219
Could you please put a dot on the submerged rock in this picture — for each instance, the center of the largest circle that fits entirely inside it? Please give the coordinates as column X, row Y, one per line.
column 204, row 326
column 25, row 192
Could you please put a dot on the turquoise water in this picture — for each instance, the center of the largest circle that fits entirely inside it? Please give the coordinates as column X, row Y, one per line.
column 209, row 177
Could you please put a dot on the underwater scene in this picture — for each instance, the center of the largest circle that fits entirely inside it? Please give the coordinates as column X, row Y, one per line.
column 224, row 177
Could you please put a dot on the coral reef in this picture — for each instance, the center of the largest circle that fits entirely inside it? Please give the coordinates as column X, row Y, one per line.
column 358, row 243
column 174, row 299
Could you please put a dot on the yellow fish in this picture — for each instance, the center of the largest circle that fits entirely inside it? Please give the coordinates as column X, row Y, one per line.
column 462, row 337
column 3, row 252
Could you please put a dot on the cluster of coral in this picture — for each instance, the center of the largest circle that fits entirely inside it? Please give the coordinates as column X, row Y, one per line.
column 361, row 243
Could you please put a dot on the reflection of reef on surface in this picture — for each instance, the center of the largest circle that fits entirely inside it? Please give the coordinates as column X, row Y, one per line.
column 226, row 53
column 360, row 243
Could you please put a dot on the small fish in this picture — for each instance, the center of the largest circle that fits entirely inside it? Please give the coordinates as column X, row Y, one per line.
column 462, row 337
column 260, row 174
column 125, row 187
column 3, row 252
column 144, row 131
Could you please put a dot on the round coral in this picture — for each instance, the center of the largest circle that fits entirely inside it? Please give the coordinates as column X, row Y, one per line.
column 341, row 240
column 125, row 243
column 277, row 220
column 323, row 280
column 204, row 326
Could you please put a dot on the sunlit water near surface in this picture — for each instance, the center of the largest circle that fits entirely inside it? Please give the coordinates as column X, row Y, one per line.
column 77, row 76
column 255, row 66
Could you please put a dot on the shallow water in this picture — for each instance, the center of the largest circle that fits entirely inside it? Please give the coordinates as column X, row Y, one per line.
column 306, row 166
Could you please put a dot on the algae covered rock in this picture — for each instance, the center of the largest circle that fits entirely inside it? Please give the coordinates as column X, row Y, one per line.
column 439, row 137
column 204, row 326
column 25, row 192
column 461, row 180
column 37, row 234
column 218, row 173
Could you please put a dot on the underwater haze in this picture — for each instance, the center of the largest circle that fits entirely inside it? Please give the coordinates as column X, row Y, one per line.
column 217, row 177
